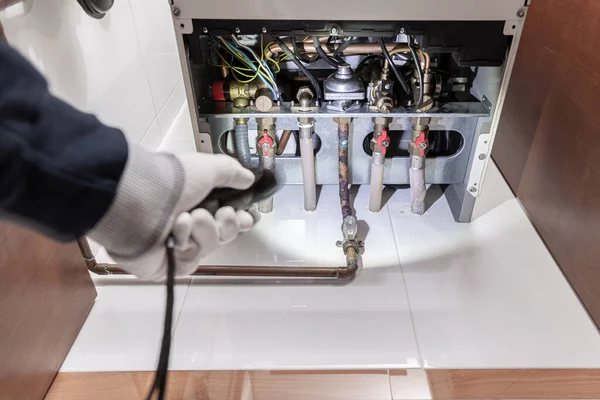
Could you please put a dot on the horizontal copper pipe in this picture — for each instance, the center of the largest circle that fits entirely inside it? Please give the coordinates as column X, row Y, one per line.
column 353, row 49
column 251, row 271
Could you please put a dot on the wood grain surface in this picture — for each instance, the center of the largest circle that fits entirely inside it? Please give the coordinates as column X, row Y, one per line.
column 45, row 295
column 548, row 143
column 514, row 384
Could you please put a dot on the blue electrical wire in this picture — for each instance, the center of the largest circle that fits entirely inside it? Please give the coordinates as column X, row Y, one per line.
column 232, row 49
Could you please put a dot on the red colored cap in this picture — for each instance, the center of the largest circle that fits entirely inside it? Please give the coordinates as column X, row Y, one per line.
column 217, row 91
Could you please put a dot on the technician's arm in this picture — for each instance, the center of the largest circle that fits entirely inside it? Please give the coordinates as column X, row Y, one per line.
column 66, row 174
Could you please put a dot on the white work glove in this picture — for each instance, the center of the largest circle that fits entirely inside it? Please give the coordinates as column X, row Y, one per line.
column 155, row 193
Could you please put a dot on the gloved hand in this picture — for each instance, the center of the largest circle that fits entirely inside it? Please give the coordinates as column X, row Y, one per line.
column 154, row 196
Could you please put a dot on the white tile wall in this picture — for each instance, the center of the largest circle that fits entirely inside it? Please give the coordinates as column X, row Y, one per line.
column 124, row 68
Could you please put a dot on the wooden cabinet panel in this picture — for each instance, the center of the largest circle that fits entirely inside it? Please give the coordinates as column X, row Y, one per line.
column 549, row 136
column 45, row 295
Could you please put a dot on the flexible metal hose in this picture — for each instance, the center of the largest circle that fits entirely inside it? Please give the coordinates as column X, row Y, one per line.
column 242, row 144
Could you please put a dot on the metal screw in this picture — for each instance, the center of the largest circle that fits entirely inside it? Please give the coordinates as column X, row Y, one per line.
column 237, row 30
column 402, row 31
column 265, row 146
column 176, row 12
column 344, row 143
column 385, row 143
column 338, row 243
column 205, row 30
column 264, row 30
column 387, row 86
column 423, row 145
column 472, row 189
column 521, row 13
column 292, row 102
column 334, row 31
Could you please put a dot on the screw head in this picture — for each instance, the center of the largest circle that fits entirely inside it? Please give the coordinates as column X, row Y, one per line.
column 472, row 189
column 387, row 86
column 385, row 143
column 237, row 30
column 521, row 13
column 176, row 12
column 265, row 146
column 402, row 31
column 422, row 145
column 205, row 30
column 334, row 31
column 264, row 30
column 344, row 143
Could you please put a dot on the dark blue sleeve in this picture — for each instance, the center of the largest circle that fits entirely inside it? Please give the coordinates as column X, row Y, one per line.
column 59, row 167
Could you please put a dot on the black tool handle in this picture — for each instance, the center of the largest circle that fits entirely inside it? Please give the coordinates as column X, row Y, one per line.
column 264, row 186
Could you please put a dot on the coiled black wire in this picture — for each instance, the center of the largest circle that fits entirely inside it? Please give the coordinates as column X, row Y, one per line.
column 314, row 82
column 322, row 53
column 397, row 73
column 419, row 71
column 302, row 57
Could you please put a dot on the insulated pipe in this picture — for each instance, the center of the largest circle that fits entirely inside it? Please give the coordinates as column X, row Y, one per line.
column 267, row 148
column 418, row 148
column 266, row 205
column 307, row 153
column 242, row 144
column 379, row 143
column 417, row 185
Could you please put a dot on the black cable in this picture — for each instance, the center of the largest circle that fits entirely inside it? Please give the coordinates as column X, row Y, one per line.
column 292, row 56
column 420, row 72
column 342, row 47
column 302, row 57
column 322, row 53
column 368, row 58
column 397, row 74
column 159, row 385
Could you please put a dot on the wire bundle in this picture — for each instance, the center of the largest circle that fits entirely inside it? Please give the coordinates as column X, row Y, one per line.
column 262, row 71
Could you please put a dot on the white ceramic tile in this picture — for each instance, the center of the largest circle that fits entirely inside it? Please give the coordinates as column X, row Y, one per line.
column 170, row 109
column 124, row 328
column 95, row 65
column 488, row 294
column 177, row 147
column 157, row 40
column 181, row 129
column 152, row 138
column 278, row 326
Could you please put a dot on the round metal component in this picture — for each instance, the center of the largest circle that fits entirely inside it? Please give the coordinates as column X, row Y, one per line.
column 334, row 31
column 472, row 189
column 423, row 145
column 385, row 143
column 344, row 85
column 237, row 30
column 240, row 102
column 263, row 103
column 482, row 156
column 176, row 12
column 521, row 13
column 205, row 30
column 264, row 30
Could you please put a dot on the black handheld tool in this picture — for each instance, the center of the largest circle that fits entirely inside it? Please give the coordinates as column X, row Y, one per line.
column 264, row 186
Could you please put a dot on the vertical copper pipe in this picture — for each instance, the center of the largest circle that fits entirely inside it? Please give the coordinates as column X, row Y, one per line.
column 283, row 141
column 343, row 167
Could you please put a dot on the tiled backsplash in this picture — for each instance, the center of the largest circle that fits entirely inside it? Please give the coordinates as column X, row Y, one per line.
column 124, row 68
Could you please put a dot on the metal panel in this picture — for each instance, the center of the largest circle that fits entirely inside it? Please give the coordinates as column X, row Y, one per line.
column 351, row 10
column 440, row 170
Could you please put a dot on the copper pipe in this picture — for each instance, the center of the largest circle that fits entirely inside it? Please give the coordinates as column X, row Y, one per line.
column 346, row 272
column 359, row 48
column 343, row 168
column 283, row 141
